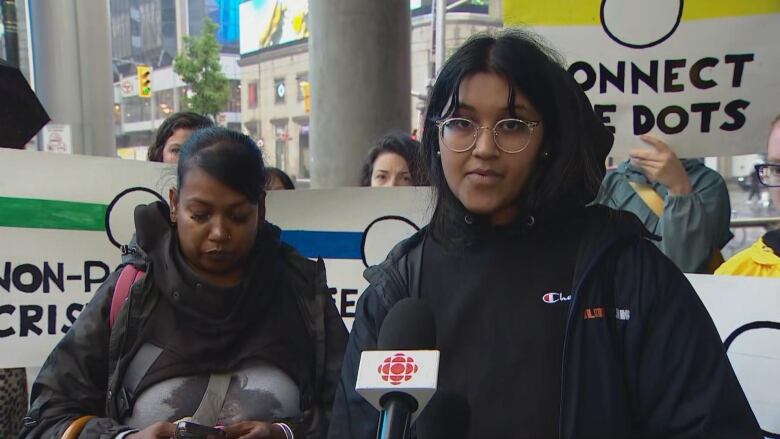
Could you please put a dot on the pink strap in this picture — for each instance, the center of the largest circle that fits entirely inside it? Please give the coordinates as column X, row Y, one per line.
column 129, row 275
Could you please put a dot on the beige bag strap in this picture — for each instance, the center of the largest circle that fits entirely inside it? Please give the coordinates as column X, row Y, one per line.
column 211, row 405
column 649, row 196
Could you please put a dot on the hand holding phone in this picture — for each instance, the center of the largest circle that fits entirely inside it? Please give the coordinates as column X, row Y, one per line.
column 191, row 430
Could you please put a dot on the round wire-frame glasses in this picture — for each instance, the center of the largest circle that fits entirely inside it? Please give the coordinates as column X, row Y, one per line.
column 518, row 137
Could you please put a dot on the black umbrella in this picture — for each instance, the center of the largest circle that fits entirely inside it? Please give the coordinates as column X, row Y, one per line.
column 21, row 113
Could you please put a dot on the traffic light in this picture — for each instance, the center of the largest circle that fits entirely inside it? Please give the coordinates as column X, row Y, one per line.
column 306, row 93
column 144, row 81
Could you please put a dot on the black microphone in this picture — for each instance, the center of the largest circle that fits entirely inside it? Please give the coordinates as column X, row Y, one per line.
column 400, row 377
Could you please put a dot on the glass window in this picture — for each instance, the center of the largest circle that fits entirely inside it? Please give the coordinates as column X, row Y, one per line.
column 164, row 101
column 137, row 109
column 252, row 95
column 301, row 77
column 281, row 136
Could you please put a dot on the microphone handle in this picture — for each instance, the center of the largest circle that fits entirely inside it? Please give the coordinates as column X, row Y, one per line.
column 395, row 419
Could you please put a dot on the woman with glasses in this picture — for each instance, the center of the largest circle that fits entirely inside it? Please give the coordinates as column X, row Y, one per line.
column 762, row 259
column 553, row 319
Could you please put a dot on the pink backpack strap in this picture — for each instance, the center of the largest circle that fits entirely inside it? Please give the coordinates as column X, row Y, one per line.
column 129, row 275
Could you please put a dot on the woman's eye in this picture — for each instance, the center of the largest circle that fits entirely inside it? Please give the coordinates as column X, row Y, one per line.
column 240, row 218
column 511, row 125
column 462, row 124
column 199, row 217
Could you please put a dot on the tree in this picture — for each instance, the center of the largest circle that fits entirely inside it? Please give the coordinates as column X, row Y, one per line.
column 198, row 66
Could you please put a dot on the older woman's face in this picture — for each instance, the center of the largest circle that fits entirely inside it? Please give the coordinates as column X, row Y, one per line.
column 486, row 179
column 390, row 169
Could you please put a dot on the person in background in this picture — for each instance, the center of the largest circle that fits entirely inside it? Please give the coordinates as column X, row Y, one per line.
column 392, row 162
column 554, row 318
column 683, row 202
column 223, row 300
column 278, row 180
column 172, row 133
column 763, row 257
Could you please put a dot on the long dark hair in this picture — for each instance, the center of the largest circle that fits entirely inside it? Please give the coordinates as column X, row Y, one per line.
column 184, row 119
column 570, row 165
column 285, row 179
column 229, row 156
column 395, row 143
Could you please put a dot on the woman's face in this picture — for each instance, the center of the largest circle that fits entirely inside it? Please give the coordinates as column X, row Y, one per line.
column 216, row 226
column 390, row 169
column 173, row 145
column 485, row 179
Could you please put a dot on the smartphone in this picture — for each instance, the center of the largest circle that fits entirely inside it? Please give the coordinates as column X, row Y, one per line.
column 191, row 430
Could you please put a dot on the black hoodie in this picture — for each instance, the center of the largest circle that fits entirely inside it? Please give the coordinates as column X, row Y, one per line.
column 641, row 356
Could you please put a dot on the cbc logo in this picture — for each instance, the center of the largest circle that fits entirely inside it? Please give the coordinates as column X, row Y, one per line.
column 397, row 369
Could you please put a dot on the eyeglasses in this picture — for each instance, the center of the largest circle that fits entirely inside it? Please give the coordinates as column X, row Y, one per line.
column 511, row 135
column 769, row 174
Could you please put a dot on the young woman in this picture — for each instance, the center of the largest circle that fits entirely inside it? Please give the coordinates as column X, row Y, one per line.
column 173, row 133
column 222, row 296
column 392, row 162
column 553, row 319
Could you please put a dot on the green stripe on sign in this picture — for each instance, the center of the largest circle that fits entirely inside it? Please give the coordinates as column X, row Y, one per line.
column 33, row 213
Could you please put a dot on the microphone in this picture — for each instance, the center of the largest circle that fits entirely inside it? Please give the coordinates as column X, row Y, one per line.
column 400, row 377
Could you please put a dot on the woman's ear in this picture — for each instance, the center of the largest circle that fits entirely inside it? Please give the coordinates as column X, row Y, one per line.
column 173, row 202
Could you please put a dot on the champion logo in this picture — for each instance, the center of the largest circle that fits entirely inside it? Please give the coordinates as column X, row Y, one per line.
column 555, row 297
column 397, row 369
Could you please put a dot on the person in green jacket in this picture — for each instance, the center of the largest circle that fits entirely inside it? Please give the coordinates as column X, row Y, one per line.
column 681, row 201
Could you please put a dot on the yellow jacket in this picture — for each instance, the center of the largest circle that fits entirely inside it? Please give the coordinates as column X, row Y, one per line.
column 756, row 260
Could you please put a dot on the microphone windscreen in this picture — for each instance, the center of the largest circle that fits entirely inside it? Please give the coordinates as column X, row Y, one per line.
column 408, row 326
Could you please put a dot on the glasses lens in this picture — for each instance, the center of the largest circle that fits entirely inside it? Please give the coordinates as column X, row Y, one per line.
column 769, row 175
column 513, row 134
column 458, row 134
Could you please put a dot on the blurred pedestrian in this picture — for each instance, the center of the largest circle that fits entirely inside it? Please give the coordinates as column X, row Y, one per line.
column 172, row 133
column 683, row 202
column 392, row 162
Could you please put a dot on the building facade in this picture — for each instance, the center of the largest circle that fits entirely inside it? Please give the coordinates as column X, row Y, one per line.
column 273, row 78
column 151, row 32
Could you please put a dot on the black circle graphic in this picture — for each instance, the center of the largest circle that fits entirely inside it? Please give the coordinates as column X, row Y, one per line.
column 381, row 218
column 113, row 203
column 749, row 327
column 639, row 46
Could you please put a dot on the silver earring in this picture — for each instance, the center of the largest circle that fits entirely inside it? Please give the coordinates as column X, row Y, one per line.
column 438, row 153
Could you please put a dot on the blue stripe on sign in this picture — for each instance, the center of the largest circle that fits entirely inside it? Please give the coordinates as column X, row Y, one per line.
column 327, row 245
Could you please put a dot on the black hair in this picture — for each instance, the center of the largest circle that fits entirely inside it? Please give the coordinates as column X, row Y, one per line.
column 396, row 143
column 281, row 175
column 570, row 164
column 229, row 156
column 184, row 119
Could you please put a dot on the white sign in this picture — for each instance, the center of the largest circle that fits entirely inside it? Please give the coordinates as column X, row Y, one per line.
column 700, row 74
column 57, row 138
column 128, row 87
column 412, row 372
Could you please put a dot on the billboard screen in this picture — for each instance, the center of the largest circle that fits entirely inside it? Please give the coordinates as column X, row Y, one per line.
column 269, row 23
